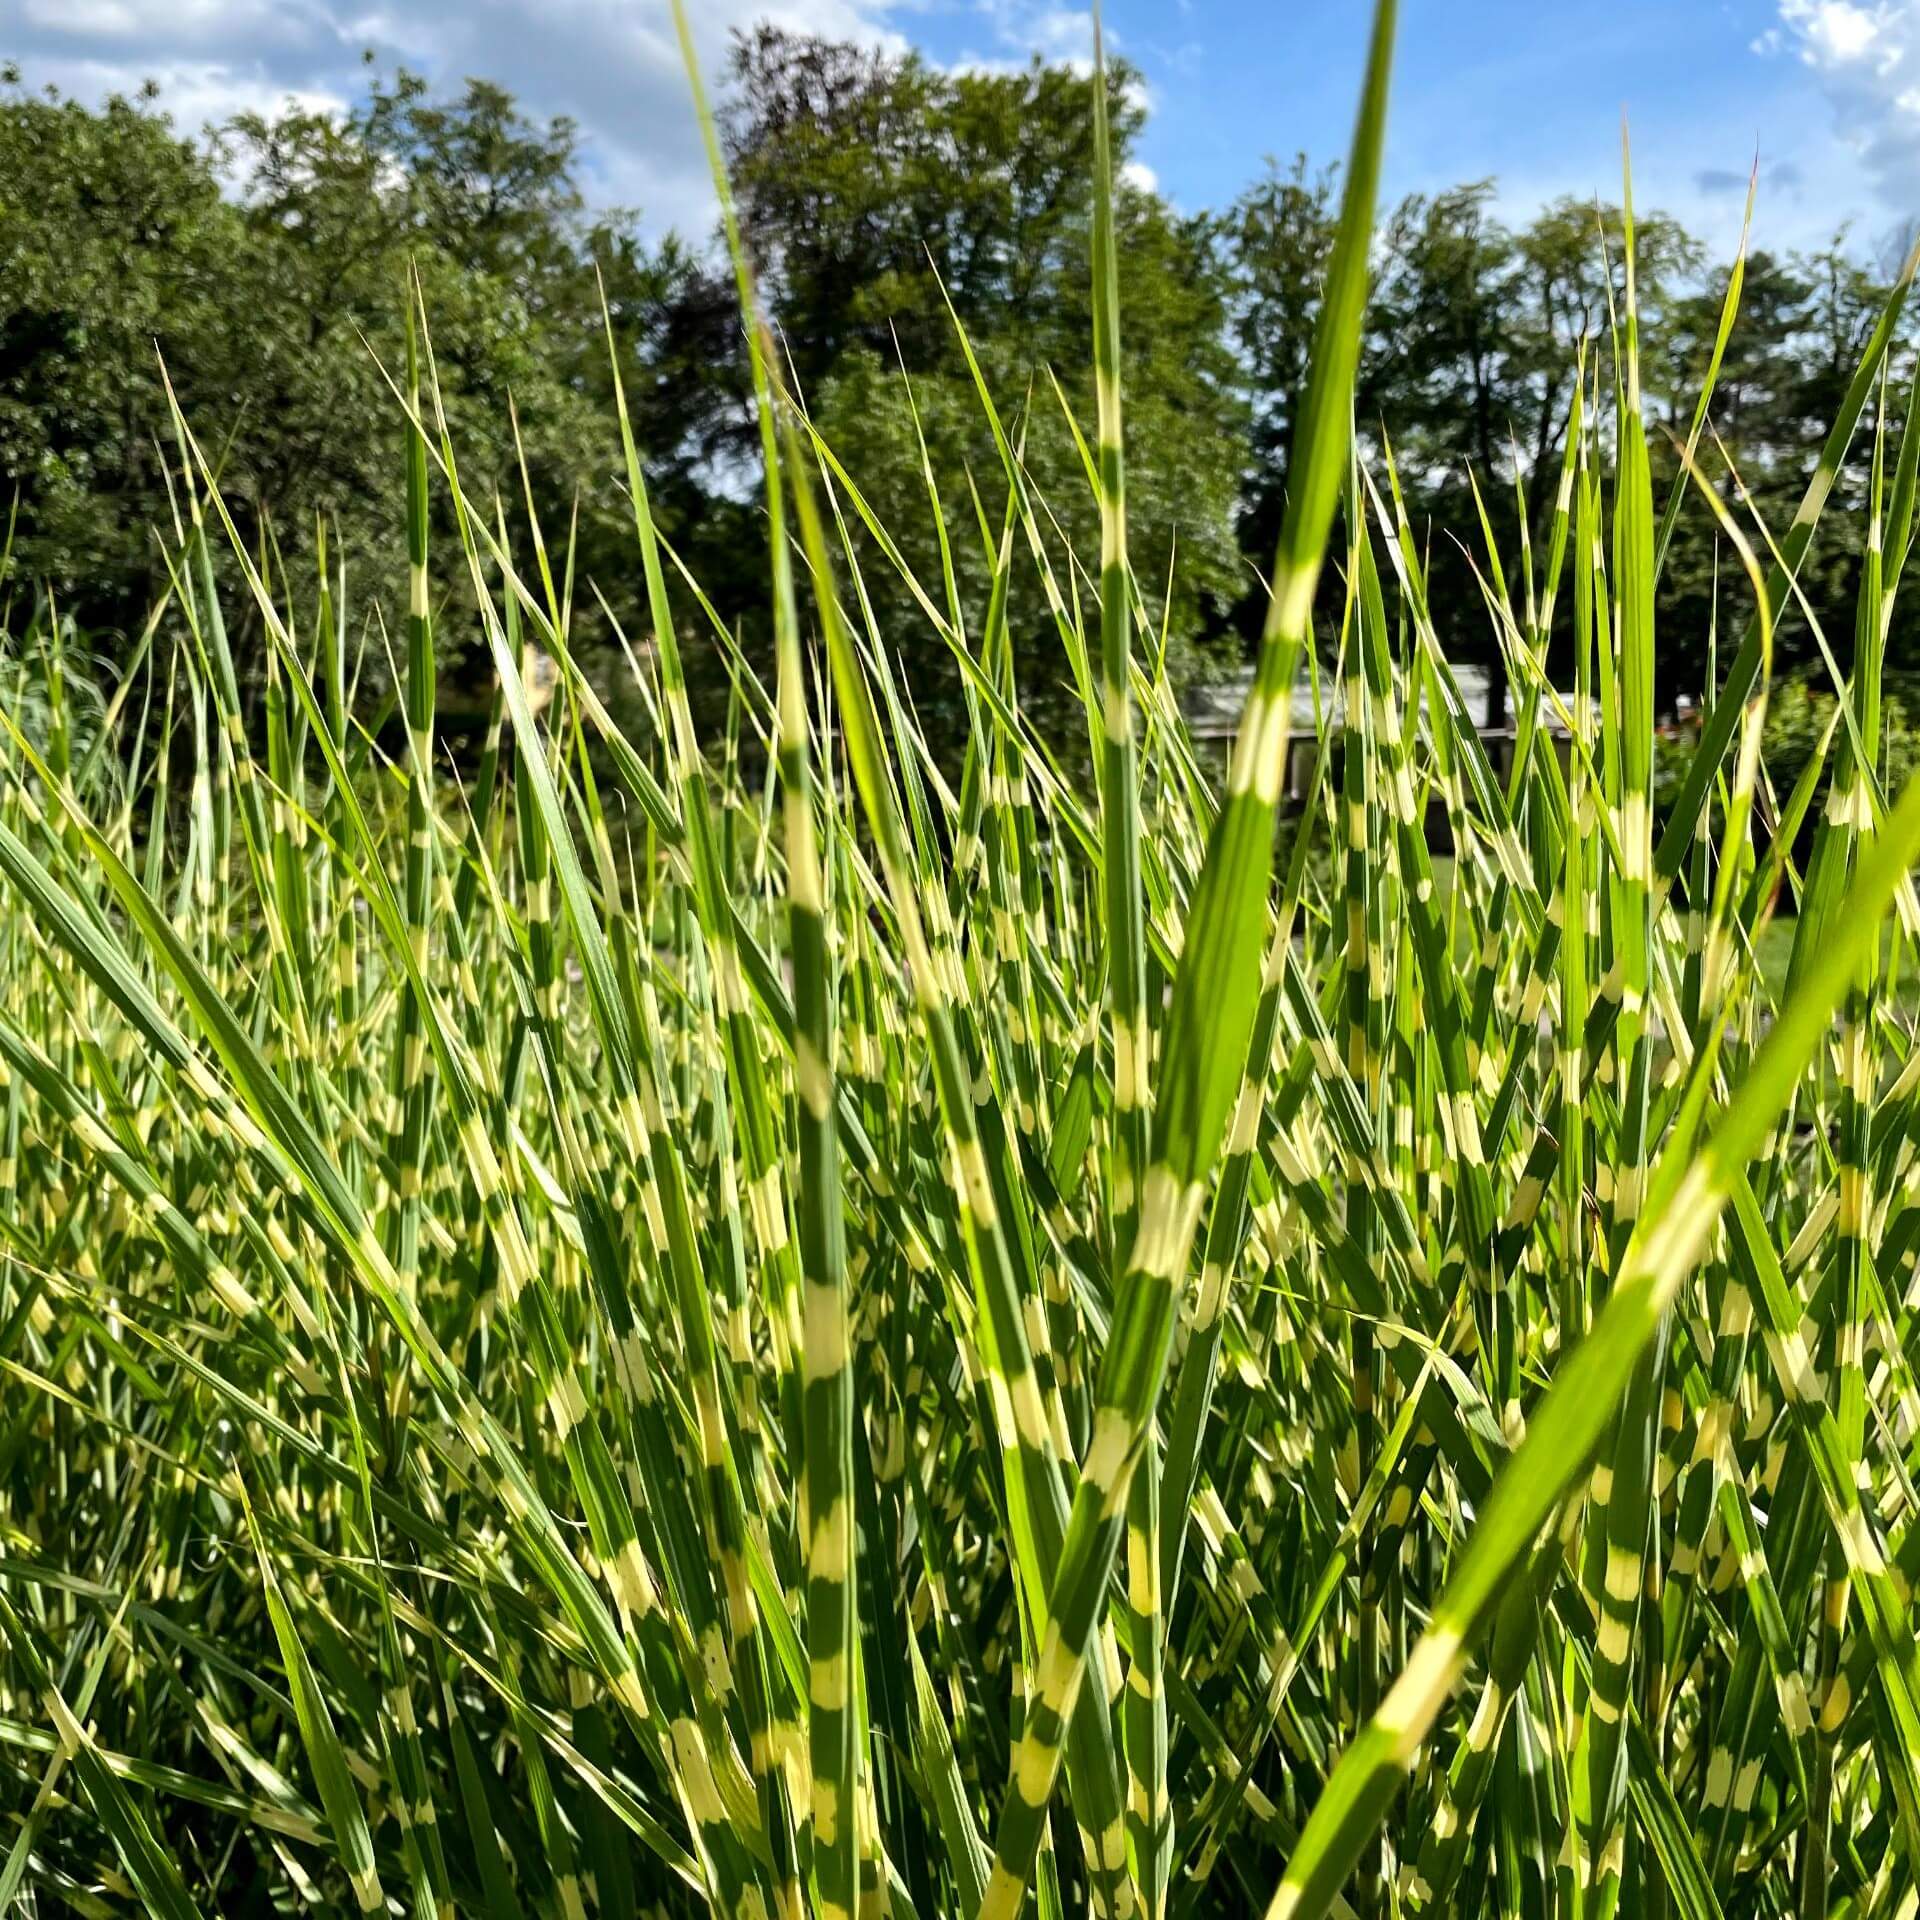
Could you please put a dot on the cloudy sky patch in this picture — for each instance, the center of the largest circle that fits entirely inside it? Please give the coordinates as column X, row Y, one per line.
column 1825, row 92
column 1865, row 60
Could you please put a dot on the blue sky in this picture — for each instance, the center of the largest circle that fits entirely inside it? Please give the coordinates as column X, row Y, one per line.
column 1528, row 91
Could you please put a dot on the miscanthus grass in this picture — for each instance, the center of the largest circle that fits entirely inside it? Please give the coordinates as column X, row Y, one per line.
column 770, row 1323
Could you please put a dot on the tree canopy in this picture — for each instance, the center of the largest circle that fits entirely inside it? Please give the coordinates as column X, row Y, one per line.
column 898, row 215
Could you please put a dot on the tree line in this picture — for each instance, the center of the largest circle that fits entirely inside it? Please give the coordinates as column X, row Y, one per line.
column 916, row 231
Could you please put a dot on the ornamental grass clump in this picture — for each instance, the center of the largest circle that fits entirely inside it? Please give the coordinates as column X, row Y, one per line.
column 778, row 1323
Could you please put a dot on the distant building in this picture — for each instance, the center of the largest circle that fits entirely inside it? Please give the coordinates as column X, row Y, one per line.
column 1214, row 715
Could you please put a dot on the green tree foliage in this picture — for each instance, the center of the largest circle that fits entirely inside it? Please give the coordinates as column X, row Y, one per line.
column 113, row 234
column 267, row 268
column 899, row 214
column 896, row 214
column 1800, row 316
column 1279, row 236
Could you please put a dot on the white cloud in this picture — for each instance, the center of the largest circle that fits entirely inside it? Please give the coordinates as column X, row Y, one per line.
column 1865, row 57
column 1137, row 174
column 1837, row 32
column 612, row 65
column 1035, row 26
column 1059, row 32
column 196, row 93
column 1023, row 28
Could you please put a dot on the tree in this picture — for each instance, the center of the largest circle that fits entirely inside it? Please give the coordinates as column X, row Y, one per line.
column 480, row 206
column 891, row 207
column 897, row 215
column 113, row 235
column 1278, row 237
column 268, row 268
column 1803, row 326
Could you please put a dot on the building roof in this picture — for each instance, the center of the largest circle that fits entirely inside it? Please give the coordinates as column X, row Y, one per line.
column 1213, row 708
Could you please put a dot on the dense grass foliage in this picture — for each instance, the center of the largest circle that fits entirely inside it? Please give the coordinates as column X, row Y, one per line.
column 761, row 1323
